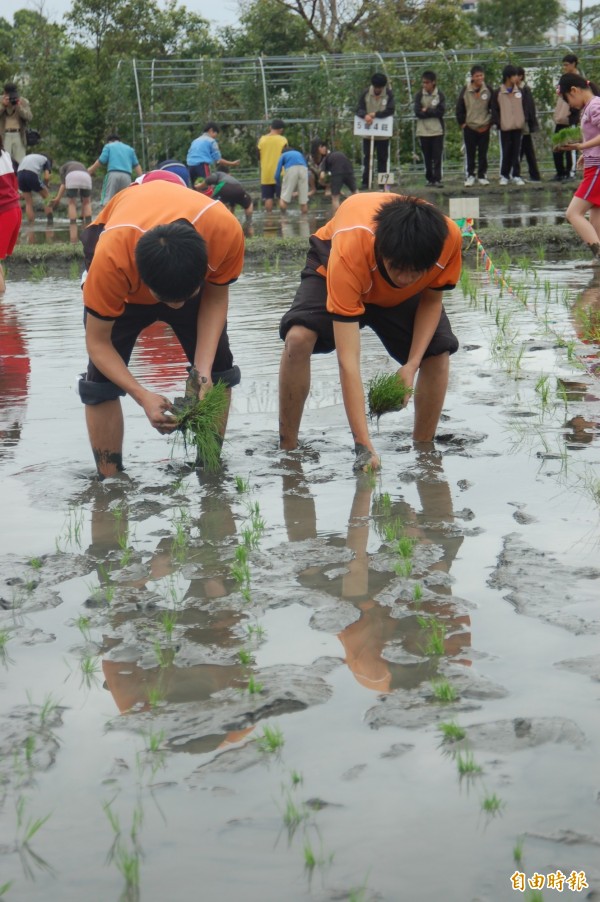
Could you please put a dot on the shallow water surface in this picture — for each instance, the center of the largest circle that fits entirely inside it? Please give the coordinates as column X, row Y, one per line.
column 228, row 681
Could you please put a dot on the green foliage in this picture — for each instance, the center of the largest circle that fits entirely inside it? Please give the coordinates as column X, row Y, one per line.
column 506, row 21
column 571, row 135
column 256, row 36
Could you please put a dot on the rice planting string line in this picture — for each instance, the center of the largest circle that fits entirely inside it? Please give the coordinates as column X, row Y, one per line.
column 589, row 362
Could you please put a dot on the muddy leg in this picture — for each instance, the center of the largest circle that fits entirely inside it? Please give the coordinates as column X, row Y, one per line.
column 105, row 429
column 430, row 392
column 576, row 216
column 294, row 383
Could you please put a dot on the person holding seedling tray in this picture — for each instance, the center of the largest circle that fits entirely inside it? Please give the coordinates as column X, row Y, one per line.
column 157, row 251
column 382, row 262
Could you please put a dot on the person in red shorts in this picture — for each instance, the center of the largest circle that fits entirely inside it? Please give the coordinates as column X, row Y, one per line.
column 381, row 262
column 582, row 95
column 157, row 251
column 10, row 210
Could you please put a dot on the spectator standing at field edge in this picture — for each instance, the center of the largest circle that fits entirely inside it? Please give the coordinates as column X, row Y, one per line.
column 474, row 115
column 15, row 113
column 430, row 108
column 120, row 159
column 564, row 116
column 375, row 102
column 531, row 125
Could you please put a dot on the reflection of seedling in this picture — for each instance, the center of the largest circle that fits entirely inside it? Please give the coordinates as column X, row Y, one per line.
column 4, row 657
column 293, row 815
column 242, row 486
column 271, row 740
column 311, row 860
column 72, row 530
column 466, row 764
column 200, row 422
column 180, row 540
column 126, row 858
column 492, row 804
column 254, row 687
column 386, row 393
column 155, row 696
column 5, row 888
column 296, row 778
column 168, row 620
column 436, row 634
column 27, row 828
column 164, row 656
column 589, row 323
column 255, row 630
column 444, row 691
column 382, row 504
column 451, row 731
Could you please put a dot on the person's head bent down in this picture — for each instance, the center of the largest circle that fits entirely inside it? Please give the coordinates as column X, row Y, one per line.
column 409, row 238
column 172, row 261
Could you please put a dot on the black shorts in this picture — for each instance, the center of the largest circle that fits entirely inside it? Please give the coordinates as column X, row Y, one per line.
column 392, row 325
column 268, row 192
column 234, row 194
column 94, row 387
column 338, row 179
column 29, row 181
column 78, row 192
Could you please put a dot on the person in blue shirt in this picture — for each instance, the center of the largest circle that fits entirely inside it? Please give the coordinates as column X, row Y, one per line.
column 120, row 159
column 204, row 151
column 295, row 178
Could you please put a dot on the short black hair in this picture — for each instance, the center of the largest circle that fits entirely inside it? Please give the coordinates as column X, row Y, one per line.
column 520, row 71
column 429, row 75
column 477, row 68
column 379, row 80
column 113, row 137
column 410, row 233
column 509, row 71
column 213, row 125
column 277, row 123
column 172, row 260
column 10, row 88
column 315, row 147
column 570, row 58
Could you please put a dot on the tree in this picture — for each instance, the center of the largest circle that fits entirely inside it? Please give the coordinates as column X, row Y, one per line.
column 428, row 25
column 517, row 23
column 585, row 21
column 331, row 21
column 256, row 35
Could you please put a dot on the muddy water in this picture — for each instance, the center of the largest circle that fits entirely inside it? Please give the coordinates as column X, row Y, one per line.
column 141, row 672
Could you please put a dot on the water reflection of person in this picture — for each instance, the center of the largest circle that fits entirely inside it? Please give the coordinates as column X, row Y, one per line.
column 199, row 616
column 364, row 640
column 14, row 379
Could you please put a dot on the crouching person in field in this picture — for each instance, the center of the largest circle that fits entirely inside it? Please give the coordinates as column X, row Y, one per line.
column 381, row 262
column 157, row 251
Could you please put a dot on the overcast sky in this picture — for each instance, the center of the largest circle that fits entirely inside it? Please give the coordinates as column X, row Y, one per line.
column 217, row 13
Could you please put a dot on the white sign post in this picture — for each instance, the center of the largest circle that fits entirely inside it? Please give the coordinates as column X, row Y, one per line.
column 379, row 128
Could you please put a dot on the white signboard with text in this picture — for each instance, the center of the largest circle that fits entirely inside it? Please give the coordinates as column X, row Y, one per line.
column 379, row 128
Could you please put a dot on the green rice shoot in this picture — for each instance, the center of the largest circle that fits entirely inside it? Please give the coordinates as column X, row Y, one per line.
column 200, row 422
column 570, row 135
column 386, row 393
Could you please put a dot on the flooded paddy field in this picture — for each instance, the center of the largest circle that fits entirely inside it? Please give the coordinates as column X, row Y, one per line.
column 283, row 681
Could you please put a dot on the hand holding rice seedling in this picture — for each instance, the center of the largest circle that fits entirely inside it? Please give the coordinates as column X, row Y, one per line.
column 200, row 421
column 387, row 393
column 566, row 136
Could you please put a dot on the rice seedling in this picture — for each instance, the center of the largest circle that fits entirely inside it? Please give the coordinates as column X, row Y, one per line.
column 569, row 135
column 405, row 546
column 444, row 691
column 240, row 570
column 5, row 658
column 403, row 567
column 246, row 657
column 29, row 747
column 168, row 621
column 382, row 505
column 255, row 631
column 542, row 387
column 386, row 393
column 35, row 562
column 71, row 535
column 38, row 272
column 436, row 635
column 47, row 709
column 271, row 740
column 180, row 540
column 156, row 697
column 254, row 687
column 200, row 422
column 417, row 593
column 74, row 270
column 27, row 827
column 296, row 778
column 5, row 888
column 492, row 804
column 242, row 486
column 588, row 319
column 534, row 895
column 293, row 815
column 164, row 656
column 89, row 668
column 466, row 764
column 154, row 741
column 392, row 530
column 518, row 850
column 451, row 731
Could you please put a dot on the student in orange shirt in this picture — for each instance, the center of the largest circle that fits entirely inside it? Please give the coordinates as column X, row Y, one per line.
column 157, row 251
column 380, row 262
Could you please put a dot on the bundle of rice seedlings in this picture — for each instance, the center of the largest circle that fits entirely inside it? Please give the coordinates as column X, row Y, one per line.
column 570, row 135
column 386, row 393
column 200, row 423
